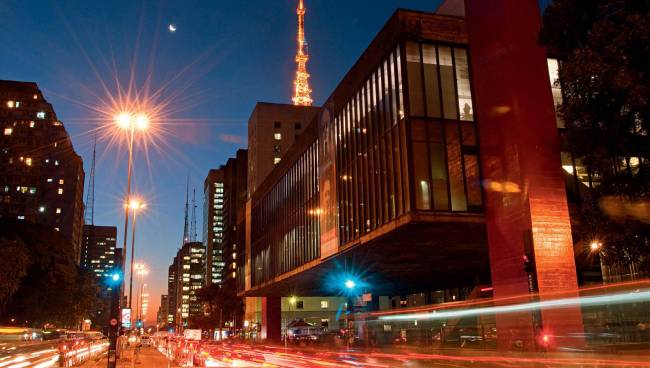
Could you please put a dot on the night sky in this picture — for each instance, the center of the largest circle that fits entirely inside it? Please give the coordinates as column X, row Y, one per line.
column 223, row 57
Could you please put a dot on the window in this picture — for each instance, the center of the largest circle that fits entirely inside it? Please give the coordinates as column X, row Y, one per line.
column 276, row 160
column 41, row 209
column 32, row 190
column 324, row 322
column 277, row 125
column 20, row 217
column 49, row 180
column 28, row 161
column 60, row 191
column 556, row 89
column 324, row 304
column 40, row 115
column 430, row 64
column 449, row 102
column 462, row 81
column 414, row 78
column 32, row 124
column 61, row 181
column 11, row 104
column 300, row 304
column 277, row 136
column 8, row 131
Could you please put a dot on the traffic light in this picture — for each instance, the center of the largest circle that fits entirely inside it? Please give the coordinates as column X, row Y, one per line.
column 529, row 267
column 138, row 324
column 114, row 278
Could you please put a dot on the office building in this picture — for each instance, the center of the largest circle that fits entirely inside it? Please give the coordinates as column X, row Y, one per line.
column 172, row 301
column 163, row 312
column 272, row 129
column 213, row 225
column 98, row 249
column 188, row 277
column 41, row 176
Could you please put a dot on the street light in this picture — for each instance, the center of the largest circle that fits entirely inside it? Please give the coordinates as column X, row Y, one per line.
column 595, row 246
column 134, row 205
column 130, row 122
column 350, row 284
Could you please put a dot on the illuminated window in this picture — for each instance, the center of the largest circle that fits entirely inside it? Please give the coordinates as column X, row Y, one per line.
column 32, row 190
column 8, row 131
column 56, row 162
column 40, row 115
column 276, row 160
column 21, row 217
column 41, row 209
column 35, row 96
column 61, row 181
column 32, row 124
column 58, row 210
column 28, row 161
column 277, row 136
column 11, row 104
column 49, row 180
column 60, row 191
column 324, row 304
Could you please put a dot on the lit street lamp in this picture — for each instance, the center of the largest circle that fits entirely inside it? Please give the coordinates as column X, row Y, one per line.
column 130, row 122
column 135, row 206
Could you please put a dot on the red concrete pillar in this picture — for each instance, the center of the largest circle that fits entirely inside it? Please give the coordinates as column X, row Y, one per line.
column 526, row 203
column 271, row 318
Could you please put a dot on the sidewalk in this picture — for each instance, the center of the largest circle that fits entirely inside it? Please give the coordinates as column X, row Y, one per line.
column 149, row 358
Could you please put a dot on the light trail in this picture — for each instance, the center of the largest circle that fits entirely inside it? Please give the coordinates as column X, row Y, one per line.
column 619, row 298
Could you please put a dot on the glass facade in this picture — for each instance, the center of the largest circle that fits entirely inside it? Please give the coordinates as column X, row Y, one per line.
column 404, row 141
column 284, row 225
column 444, row 145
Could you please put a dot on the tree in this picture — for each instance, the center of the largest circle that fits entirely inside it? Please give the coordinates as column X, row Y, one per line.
column 222, row 304
column 604, row 46
column 14, row 261
column 54, row 289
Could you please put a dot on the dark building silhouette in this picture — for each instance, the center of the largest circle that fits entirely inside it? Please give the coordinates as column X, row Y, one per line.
column 41, row 176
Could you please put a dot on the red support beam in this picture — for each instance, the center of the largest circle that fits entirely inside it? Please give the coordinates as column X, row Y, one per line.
column 525, row 192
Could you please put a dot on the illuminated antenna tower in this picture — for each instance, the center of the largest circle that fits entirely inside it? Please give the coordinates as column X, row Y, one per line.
column 193, row 234
column 89, row 215
column 186, row 230
column 302, row 92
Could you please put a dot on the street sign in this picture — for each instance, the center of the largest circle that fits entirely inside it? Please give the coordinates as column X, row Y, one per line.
column 113, row 322
column 126, row 317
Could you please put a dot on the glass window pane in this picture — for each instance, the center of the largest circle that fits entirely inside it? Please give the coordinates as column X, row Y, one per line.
column 473, row 181
column 438, row 168
column 399, row 84
column 455, row 166
column 462, row 81
column 449, row 103
column 413, row 71
column 430, row 65
column 469, row 134
column 421, row 177
column 554, row 77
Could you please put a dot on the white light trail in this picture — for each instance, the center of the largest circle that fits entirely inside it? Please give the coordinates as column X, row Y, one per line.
column 620, row 298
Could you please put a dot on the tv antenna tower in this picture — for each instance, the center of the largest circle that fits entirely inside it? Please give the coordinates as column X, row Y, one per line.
column 186, row 232
column 89, row 212
column 302, row 92
column 193, row 234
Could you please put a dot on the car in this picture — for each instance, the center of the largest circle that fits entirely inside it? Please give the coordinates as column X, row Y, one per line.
column 145, row 341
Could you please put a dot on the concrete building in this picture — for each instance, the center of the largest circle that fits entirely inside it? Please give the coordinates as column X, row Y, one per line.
column 41, row 176
column 272, row 129
column 163, row 312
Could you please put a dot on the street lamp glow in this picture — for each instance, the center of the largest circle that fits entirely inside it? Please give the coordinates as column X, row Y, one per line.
column 141, row 121
column 350, row 284
column 134, row 204
column 595, row 246
column 123, row 120
column 292, row 300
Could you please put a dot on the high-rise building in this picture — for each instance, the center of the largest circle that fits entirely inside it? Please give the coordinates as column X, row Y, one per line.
column 98, row 252
column 163, row 312
column 172, row 300
column 272, row 129
column 235, row 180
column 188, row 271
column 213, row 225
column 41, row 176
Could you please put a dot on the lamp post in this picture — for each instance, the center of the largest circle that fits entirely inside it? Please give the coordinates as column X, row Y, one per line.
column 350, row 286
column 130, row 122
column 135, row 206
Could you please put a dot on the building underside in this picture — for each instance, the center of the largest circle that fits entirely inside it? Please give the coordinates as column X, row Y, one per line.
column 419, row 253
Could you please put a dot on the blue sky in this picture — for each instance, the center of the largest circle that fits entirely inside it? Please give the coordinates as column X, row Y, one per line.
column 223, row 58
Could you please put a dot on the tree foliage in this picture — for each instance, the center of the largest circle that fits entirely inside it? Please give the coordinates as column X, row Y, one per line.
column 14, row 261
column 604, row 46
column 53, row 288
column 222, row 304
